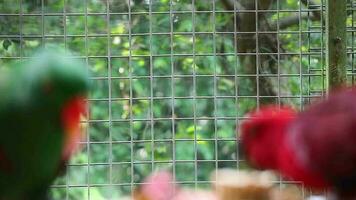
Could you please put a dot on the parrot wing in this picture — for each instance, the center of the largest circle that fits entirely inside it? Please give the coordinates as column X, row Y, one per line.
column 325, row 140
column 291, row 168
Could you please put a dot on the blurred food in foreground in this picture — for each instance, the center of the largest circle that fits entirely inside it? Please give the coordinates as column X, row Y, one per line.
column 316, row 146
column 231, row 184
column 42, row 100
column 228, row 184
column 158, row 186
column 288, row 193
column 161, row 186
column 190, row 194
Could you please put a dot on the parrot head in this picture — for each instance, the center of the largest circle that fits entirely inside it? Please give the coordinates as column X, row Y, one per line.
column 61, row 84
column 262, row 133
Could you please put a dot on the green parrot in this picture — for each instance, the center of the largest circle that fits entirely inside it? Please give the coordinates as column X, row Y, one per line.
column 41, row 101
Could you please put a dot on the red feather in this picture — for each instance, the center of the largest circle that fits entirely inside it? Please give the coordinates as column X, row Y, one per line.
column 263, row 134
column 292, row 168
column 71, row 122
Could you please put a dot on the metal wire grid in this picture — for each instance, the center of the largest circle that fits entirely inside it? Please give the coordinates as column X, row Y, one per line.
column 110, row 166
column 351, row 30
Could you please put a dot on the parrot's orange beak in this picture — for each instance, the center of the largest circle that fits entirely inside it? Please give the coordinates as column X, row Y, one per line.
column 71, row 114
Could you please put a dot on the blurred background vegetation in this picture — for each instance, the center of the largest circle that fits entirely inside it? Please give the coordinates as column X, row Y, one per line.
column 171, row 79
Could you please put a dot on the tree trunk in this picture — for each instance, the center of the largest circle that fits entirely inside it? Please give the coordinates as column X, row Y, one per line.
column 253, row 44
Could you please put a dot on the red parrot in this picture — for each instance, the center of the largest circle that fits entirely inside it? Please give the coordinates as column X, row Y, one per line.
column 41, row 101
column 265, row 141
column 316, row 146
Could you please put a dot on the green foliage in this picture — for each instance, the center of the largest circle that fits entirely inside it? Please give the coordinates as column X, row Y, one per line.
column 131, row 134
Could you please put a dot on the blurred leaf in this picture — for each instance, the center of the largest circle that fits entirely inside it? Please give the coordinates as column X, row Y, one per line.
column 6, row 44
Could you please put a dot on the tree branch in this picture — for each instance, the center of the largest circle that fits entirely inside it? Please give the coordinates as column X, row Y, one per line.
column 310, row 4
column 291, row 20
column 230, row 5
column 287, row 21
column 294, row 19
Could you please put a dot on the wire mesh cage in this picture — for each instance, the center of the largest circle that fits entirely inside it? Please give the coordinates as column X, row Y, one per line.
column 172, row 79
column 351, row 40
